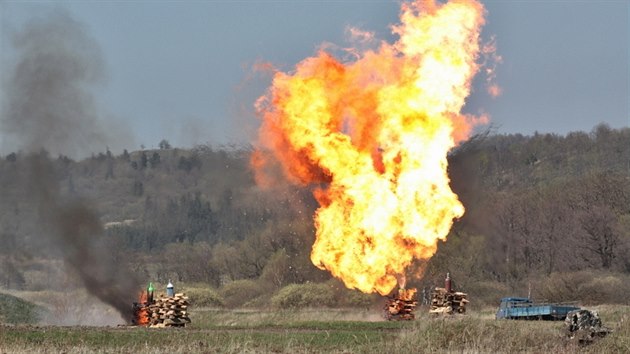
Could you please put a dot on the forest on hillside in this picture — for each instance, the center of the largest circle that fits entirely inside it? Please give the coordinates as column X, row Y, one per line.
column 542, row 209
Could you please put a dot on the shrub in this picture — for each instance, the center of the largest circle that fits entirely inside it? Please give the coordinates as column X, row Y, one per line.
column 204, row 297
column 606, row 289
column 351, row 298
column 304, row 295
column 277, row 270
column 239, row 292
column 259, row 302
column 15, row 310
column 487, row 293
column 355, row 298
column 587, row 287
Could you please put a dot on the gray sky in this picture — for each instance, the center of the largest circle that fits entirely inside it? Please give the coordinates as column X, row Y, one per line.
column 182, row 70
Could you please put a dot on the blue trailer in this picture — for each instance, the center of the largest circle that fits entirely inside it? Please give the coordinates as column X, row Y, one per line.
column 522, row 308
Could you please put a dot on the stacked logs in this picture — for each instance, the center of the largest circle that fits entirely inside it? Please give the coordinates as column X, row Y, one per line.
column 169, row 311
column 402, row 306
column 448, row 302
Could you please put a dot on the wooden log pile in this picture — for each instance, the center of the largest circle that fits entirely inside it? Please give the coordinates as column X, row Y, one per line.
column 401, row 306
column 168, row 311
column 448, row 302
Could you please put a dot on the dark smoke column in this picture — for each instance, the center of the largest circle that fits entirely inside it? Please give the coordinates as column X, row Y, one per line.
column 49, row 106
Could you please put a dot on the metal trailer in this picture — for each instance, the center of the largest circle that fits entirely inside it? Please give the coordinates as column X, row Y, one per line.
column 522, row 308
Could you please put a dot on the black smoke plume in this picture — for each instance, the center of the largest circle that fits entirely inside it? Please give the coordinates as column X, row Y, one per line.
column 49, row 106
column 49, row 103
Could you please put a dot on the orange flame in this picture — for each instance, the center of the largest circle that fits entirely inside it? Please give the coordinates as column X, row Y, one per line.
column 407, row 294
column 376, row 132
column 142, row 312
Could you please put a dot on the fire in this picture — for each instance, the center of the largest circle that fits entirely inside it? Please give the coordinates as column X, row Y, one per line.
column 374, row 134
column 141, row 312
column 407, row 294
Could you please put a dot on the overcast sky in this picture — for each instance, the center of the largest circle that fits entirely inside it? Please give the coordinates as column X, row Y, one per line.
column 182, row 70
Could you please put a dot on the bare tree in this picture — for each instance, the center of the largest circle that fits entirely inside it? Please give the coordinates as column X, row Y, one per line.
column 600, row 235
column 554, row 229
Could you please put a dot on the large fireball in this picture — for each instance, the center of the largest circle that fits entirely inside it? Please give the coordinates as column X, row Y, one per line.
column 373, row 135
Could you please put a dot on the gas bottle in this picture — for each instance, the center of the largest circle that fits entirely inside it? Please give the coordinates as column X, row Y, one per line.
column 150, row 290
column 447, row 283
column 170, row 290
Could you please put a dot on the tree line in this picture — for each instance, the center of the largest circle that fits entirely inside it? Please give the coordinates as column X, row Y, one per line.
column 536, row 205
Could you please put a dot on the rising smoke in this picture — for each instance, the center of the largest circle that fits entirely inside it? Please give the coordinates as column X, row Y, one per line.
column 49, row 106
column 48, row 100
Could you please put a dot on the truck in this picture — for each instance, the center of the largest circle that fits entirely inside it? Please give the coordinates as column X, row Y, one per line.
column 523, row 308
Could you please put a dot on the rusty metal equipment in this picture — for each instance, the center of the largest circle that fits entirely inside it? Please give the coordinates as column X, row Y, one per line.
column 446, row 301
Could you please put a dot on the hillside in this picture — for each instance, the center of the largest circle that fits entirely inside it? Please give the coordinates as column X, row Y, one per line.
column 17, row 311
column 536, row 206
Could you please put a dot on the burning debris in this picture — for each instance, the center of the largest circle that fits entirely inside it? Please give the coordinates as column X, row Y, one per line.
column 585, row 326
column 446, row 301
column 140, row 310
column 402, row 306
column 165, row 311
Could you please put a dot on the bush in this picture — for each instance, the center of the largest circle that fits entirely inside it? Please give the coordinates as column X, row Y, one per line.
column 259, row 302
column 205, row 297
column 239, row 292
column 15, row 310
column 487, row 293
column 355, row 298
column 587, row 287
column 351, row 298
column 304, row 295
column 606, row 289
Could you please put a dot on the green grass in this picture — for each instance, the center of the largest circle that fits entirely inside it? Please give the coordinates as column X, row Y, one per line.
column 321, row 331
column 58, row 339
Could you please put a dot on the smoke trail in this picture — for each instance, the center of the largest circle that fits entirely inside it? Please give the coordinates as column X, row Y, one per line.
column 49, row 106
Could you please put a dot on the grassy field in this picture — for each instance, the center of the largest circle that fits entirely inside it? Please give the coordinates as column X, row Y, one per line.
column 325, row 331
